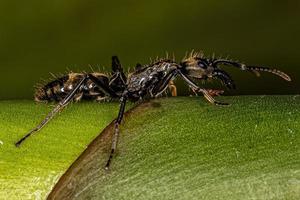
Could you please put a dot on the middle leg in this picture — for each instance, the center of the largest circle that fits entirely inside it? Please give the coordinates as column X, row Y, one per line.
column 116, row 131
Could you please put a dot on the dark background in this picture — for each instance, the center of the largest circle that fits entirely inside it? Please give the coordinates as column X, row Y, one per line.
column 38, row 37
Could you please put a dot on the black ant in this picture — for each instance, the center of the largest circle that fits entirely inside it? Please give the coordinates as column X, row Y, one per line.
column 148, row 81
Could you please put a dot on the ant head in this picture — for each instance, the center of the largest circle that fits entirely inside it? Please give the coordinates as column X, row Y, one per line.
column 196, row 66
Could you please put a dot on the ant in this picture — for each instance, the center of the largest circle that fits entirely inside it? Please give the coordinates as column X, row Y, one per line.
column 148, row 81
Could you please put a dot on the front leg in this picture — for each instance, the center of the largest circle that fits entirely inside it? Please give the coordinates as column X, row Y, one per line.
column 214, row 92
column 205, row 92
column 208, row 97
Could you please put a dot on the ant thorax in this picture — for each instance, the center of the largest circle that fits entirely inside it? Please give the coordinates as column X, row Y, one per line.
column 149, row 80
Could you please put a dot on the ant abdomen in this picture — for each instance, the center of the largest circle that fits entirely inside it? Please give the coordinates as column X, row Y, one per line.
column 52, row 91
column 59, row 88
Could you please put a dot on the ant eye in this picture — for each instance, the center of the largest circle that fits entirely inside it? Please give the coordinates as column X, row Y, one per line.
column 200, row 64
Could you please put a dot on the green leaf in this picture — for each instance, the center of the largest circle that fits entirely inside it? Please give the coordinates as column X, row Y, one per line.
column 185, row 148
column 30, row 171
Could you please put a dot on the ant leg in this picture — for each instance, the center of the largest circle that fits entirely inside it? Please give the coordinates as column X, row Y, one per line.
column 172, row 88
column 59, row 107
column 203, row 91
column 163, row 85
column 103, row 84
column 116, row 131
column 192, row 90
column 210, row 98
column 214, row 92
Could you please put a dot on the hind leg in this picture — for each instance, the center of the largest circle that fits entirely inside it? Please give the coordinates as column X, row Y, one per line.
column 59, row 107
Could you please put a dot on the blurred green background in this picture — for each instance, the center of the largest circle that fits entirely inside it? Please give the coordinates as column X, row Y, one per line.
column 38, row 37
